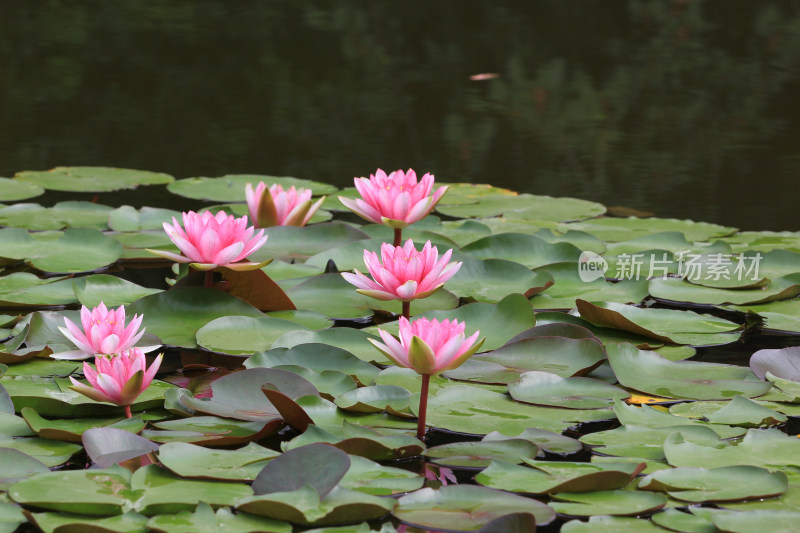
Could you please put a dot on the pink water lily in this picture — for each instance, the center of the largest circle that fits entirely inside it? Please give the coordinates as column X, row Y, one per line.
column 209, row 241
column 403, row 273
column 274, row 206
column 429, row 347
column 119, row 379
column 104, row 332
column 396, row 200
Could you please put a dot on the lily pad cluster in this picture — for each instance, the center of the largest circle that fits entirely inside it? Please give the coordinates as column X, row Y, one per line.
column 638, row 374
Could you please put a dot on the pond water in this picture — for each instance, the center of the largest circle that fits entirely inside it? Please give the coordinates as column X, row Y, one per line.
column 684, row 108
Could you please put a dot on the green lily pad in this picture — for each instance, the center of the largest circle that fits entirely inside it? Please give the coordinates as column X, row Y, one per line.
column 546, row 440
column 16, row 465
column 611, row 524
column 370, row 477
column 371, row 443
column 668, row 325
column 678, row 290
column 478, row 454
column 318, row 466
column 176, row 315
column 163, row 492
column 644, row 442
column 243, row 334
column 317, row 357
column 304, row 506
column 523, row 206
column 72, row 429
column 76, row 250
column 111, row 290
column 465, row 507
column 374, row 399
column 231, row 187
column 238, row 395
column 527, row 250
column 15, row 190
column 473, row 410
column 605, row 335
column 568, row 287
column 544, row 388
column 204, row 520
column 60, row 216
column 650, row 373
column 767, row 448
column 189, row 460
column 53, row 397
column 49, row 452
column 676, row 520
column 127, row 218
column 631, row 415
column 749, row 521
column 780, row 316
column 623, row 229
column 14, row 426
column 491, row 280
column 91, row 179
column 212, row 430
column 552, row 477
column 307, row 241
column 354, row 341
column 728, row 483
column 608, row 502
column 91, row 492
column 744, row 412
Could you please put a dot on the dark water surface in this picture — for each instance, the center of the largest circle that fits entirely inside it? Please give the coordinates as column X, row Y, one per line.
column 687, row 108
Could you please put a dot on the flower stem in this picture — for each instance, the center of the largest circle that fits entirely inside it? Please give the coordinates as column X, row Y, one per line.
column 398, row 236
column 209, row 281
column 407, row 310
column 423, row 406
column 128, row 411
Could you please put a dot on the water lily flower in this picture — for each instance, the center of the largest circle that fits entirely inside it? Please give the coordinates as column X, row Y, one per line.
column 209, row 241
column 104, row 333
column 428, row 346
column 119, row 379
column 396, row 200
column 274, row 206
column 403, row 273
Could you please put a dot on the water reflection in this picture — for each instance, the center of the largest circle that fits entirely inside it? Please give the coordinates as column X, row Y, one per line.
column 683, row 107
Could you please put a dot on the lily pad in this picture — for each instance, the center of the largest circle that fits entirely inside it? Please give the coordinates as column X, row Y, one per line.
column 108, row 446
column 677, row 290
column 728, row 483
column 374, row 399
column 189, row 460
column 72, row 430
column 16, row 465
column 91, row 179
column 230, row 188
column 354, row 341
column 176, row 315
column 243, row 334
column 212, row 430
column 465, row 507
column 544, row 388
column 14, row 190
column 611, row 524
column 479, row 454
column 608, row 502
column 767, row 448
column 292, row 242
column 317, row 357
column 650, row 373
column 492, row 279
column 644, row 442
column 111, row 290
column 76, row 250
column 552, row 477
column 205, row 520
column 527, row 250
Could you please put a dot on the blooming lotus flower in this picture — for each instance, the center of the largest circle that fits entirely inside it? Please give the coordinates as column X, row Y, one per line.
column 119, row 379
column 429, row 347
column 396, row 200
column 274, row 206
column 403, row 273
column 104, row 333
column 209, row 241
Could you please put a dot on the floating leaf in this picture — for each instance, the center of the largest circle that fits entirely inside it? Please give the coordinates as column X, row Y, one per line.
column 204, row 520
column 608, row 502
column 71, row 430
column 108, row 446
column 611, row 524
column 527, row 250
column 111, row 290
column 552, row 477
column 91, row 179
column 729, row 483
column 317, row 357
column 14, row 190
column 650, row 373
column 76, row 250
column 478, row 454
column 231, row 187
column 465, row 507
column 763, row 447
column 189, row 460
column 16, row 465
column 544, row 388
column 243, row 334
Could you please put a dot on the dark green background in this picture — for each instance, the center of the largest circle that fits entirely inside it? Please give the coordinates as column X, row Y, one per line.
column 684, row 107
